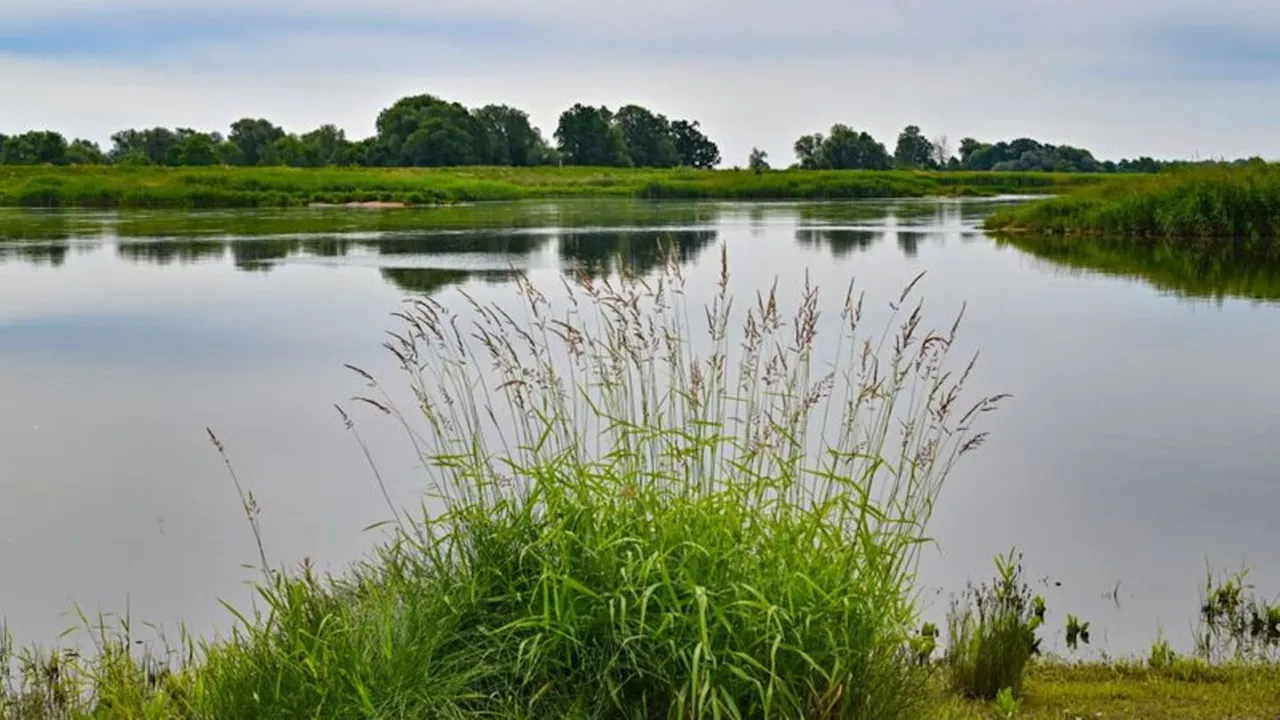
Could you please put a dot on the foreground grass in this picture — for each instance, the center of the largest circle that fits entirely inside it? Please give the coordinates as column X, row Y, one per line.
column 1061, row 691
column 1231, row 206
column 632, row 523
column 109, row 187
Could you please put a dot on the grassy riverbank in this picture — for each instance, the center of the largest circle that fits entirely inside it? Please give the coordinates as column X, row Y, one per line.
column 1130, row 690
column 1236, row 206
column 154, row 187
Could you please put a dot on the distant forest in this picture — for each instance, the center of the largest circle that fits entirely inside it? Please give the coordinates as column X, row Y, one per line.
column 426, row 131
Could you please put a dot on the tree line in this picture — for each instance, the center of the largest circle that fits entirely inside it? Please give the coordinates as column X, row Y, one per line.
column 844, row 148
column 427, row 131
column 417, row 131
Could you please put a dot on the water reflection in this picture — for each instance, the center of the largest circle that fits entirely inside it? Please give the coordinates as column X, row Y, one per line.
column 909, row 241
column 1117, row 421
column 840, row 242
column 431, row 280
column 1193, row 269
column 603, row 237
column 602, row 253
column 51, row 254
column 166, row 252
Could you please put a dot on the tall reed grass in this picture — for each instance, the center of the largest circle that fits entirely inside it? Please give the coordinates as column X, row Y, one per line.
column 636, row 509
column 1233, row 206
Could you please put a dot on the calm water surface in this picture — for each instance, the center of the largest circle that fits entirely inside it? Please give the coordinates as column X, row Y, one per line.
column 1139, row 446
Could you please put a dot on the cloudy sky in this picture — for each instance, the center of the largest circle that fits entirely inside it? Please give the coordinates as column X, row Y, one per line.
column 1169, row 78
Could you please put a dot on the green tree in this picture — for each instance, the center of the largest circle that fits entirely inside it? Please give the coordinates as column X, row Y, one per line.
column 809, row 151
column 693, row 148
column 648, row 137
column 369, row 152
column 38, row 147
column 194, row 149
column 513, row 140
column 848, row 149
column 253, row 136
column 587, row 136
column 287, row 150
column 326, row 145
column 155, row 144
column 914, row 151
column 970, row 147
column 229, row 153
column 85, row 152
column 425, row 131
column 1026, row 155
column 758, row 161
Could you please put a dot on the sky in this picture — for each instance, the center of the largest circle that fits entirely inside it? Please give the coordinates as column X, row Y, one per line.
column 1166, row 78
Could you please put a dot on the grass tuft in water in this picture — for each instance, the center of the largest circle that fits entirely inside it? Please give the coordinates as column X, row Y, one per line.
column 993, row 634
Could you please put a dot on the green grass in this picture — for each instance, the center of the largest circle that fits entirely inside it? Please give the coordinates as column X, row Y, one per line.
column 1232, row 206
column 992, row 635
column 150, row 187
column 1056, row 691
column 631, row 524
column 1204, row 232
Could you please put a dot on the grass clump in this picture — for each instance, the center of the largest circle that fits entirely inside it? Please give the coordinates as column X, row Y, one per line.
column 1234, row 623
column 993, row 634
column 1054, row 691
column 623, row 522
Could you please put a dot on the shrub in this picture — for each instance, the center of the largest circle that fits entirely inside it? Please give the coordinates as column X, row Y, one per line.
column 992, row 634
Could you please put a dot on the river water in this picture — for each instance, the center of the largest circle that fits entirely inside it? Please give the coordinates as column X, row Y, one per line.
column 1138, row 448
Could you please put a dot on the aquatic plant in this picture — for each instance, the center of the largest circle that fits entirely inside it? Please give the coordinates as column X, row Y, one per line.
column 1235, row 623
column 992, row 634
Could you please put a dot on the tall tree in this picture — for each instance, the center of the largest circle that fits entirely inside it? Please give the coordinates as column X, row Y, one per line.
column 154, row 144
column 37, row 147
column 942, row 155
column 968, row 148
column 693, row 148
column 253, row 136
column 587, row 136
column 913, row 151
column 758, row 161
column 513, row 140
column 425, row 131
column 809, row 151
column 85, row 152
column 848, row 149
column 194, row 148
column 326, row 145
column 648, row 137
